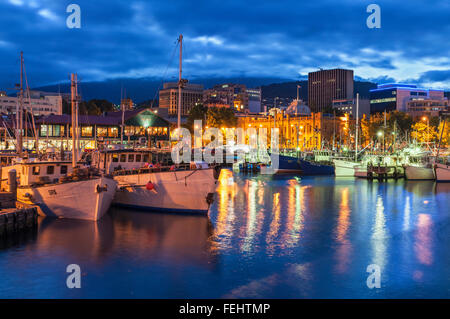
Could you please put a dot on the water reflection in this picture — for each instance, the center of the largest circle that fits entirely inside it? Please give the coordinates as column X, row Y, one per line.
column 423, row 237
column 266, row 237
column 343, row 251
column 146, row 236
column 379, row 235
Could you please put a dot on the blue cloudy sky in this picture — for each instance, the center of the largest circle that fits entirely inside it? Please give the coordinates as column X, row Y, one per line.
column 245, row 38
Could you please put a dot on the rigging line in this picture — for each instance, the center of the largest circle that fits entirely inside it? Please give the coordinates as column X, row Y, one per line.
column 29, row 103
column 165, row 73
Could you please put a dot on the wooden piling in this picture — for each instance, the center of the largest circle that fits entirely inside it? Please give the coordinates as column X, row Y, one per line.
column 13, row 220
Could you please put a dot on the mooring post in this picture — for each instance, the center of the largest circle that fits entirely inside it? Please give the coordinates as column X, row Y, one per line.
column 12, row 182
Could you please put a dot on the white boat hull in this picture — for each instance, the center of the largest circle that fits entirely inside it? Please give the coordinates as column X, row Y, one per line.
column 344, row 168
column 442, row 172
column 419, row 173
column 179, row 192
column 85, row 199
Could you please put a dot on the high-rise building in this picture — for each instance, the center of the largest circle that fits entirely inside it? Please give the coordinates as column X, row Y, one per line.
column 190, row 95
column 254, row 100
column 324, row 86
column 391, row 97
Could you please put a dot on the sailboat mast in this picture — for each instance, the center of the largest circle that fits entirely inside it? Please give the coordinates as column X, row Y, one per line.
column 122, row 106
column 73, row 91
column 180, row 40
column 357, row 126
column 19, row 111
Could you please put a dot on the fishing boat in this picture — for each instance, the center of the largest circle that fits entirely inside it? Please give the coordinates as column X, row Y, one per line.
column 346, row 168
column 419, row 167
column 442, row 172
column 148, row 180
column 309, row 168
column 62, row 188
column 63, row 193
column 288, row 165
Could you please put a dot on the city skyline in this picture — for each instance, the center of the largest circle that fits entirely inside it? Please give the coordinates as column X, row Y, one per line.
column 118, row 40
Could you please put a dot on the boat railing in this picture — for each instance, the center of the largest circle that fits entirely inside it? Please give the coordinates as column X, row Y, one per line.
column 157, row 169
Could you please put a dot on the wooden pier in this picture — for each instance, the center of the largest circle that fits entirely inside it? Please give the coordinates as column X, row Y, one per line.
column 382, row 172
column 14, row 216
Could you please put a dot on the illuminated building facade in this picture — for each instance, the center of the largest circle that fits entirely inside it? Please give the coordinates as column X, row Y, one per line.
column 395, row 97
column 302, row 132
column 40, row 103
column 140, row 125
column 428, row 108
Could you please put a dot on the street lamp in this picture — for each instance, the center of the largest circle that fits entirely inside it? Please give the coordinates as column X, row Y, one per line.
column 425, row 119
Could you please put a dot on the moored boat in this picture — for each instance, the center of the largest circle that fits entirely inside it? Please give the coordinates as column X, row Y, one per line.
column 442, row 172
column 345, row 168
column 310, row 168
column 419, row 172
column 147, row 180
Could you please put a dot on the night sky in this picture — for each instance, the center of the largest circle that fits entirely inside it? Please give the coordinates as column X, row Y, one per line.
column 286, row 39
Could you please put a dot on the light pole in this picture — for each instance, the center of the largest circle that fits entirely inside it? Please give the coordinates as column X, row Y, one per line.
column 425, row 119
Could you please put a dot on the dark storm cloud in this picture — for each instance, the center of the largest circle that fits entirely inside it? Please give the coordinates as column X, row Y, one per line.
column 285, row 39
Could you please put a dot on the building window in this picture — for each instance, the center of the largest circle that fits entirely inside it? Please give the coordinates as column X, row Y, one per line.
column 86, row 131
column 36, row 170
column 50, row 170
column 113, row 132
column 63, row 169
column 102, row 132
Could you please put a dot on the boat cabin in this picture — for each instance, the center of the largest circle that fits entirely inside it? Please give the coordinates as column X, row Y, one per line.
column 36, row 172
column 113, row 160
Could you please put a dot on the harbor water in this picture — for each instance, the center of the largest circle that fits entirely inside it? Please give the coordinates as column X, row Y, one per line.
column 265, row 237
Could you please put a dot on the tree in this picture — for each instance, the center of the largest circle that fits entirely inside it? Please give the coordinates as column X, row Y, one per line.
column 424, row 133
column 365, row 136
column 198, row 112
column 220, row 117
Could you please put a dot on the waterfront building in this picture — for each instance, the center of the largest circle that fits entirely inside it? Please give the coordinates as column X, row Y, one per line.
column 395, row 97
column 428, row 108
column 301, row 132
column 324, row 86
column 141, row 126
column 38, row 102
column 190, row 95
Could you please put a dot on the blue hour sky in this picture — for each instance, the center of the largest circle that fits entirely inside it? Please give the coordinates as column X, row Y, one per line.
column 246, row 38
